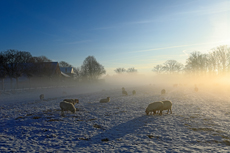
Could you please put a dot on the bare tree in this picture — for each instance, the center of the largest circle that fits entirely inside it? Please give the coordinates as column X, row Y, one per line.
column 212, row 63
column 197, row 63
column 3, row 72
column 77, row 72
column 39, row 59
column 91, row 69
column 131, row 70
column 64, row 64
column 120, row 70
column 13, row 63
column 158, row 69
column 222, row 57
column 172, row 66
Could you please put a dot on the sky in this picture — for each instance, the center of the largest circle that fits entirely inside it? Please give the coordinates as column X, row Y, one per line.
column 121, row 33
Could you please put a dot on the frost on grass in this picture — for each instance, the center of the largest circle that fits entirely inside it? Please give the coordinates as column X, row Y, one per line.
column 199, row 122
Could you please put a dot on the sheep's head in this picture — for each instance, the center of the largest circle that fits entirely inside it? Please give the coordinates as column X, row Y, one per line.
column 147, row 112
column 76, row 101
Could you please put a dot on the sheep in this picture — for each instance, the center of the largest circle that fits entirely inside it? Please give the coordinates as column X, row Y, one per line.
column 167, row 106
column 66, row 106
column 72, row 101
column 105, row 100
column 196, row 89
column 124, row 92
column 163, row 91
column 134, row 92
column 153, row 107
column 41, row 96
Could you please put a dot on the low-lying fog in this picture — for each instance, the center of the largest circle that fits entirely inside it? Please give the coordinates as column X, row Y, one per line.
column 199, row 121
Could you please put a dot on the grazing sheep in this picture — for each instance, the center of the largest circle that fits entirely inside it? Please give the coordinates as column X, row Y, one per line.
column 196, row 89
column 134, row 92
column 41, row 96
column 66, row 106
column 72, row 101
column 153, row 107
column 124, row 92
column 163, row 91
column 167, row 106
column 105, row 100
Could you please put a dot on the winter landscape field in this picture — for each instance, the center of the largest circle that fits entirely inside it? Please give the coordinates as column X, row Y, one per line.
column 200, row 121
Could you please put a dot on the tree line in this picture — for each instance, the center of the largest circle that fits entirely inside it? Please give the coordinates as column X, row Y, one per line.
column 123, row 70
column 216, row 62
column 14, row 64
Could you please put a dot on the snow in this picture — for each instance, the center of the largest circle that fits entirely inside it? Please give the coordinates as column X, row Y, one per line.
column 200, row 121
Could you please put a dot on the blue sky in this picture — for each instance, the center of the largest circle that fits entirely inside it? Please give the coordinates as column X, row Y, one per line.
column 121, row 33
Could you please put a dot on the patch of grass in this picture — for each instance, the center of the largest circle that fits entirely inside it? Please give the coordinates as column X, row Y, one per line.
column 202, row 129
column 36, row 117
column 51, row 136
column 20, row 117
column 152, row 136
column 221, row 135
column 47, row 111
column 98, row 126
column 92, row 119
column 207, row 119
column 187, row 125
column 226, row 142
column 105, row 140
column 52, row 120
column 29, row 114
column 194, row 116
column 84, row 139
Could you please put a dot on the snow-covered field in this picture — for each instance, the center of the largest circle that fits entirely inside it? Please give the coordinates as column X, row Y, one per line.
column 200, row 121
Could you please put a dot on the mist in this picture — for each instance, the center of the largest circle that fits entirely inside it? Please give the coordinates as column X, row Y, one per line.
column 218, row 84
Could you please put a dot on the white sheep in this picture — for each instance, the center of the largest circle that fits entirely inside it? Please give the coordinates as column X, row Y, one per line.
column 153, row 107
column 163, row 91
column 66, row 106
column 41, row 96
column 105, row 100
column 134, row 92
column 124, row 92
column 196, row 89
column 72, row 101
column 167, row 106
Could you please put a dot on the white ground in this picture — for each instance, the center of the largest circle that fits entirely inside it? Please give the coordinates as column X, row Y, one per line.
column 200, row 121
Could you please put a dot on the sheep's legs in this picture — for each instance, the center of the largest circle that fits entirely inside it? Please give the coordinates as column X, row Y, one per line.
column 160, row 112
